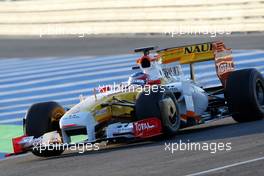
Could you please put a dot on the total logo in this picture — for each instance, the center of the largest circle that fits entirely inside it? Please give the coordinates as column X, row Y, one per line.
column 143, row 126
column 147, row 127
column 225, row 67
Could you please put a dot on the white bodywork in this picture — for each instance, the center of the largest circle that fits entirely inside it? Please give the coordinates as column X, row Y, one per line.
column 192, row 98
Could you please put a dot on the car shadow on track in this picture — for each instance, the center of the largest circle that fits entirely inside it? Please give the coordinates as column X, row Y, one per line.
column 219, row 131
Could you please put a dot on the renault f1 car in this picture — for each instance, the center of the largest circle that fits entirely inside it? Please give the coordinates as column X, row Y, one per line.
column 158, row 99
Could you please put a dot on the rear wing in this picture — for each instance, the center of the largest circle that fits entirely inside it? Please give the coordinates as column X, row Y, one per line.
column 187, row 54
column 190, row 54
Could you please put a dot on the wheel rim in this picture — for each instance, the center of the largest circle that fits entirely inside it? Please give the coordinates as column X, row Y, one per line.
column 260, row 93
column 172, row 112
column 57, row 114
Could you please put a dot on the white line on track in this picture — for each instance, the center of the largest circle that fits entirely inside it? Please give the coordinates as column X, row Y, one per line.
column 105, row 71
column 55, row 68
column 8, row 108
column 10, row 120
column 67, row 85
column 90, row 62
column 73, row 63
column 204, row 81
column 67, row 77
column 213, row 73
column 80, row 91
column 69, row 71
column 212, row 65
column 13, row 113
column 50, row 95
column 9, row 63
column 25, row 64
column 252, row 52
column 199, row 76
column 226, row 166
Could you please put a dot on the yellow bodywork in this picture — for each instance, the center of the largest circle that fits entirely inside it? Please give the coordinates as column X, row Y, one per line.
column 105, row 113
column 187, row 54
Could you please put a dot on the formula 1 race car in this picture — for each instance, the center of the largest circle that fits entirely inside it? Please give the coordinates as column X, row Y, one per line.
column 157, row 100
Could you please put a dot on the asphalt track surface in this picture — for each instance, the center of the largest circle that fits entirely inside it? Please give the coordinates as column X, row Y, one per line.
column 74, row 46
column 149, row 158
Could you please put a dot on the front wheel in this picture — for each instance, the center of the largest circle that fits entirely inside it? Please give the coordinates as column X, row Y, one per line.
column 42, row 118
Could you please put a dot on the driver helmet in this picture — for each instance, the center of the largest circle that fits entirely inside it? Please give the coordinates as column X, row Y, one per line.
column 138, row 78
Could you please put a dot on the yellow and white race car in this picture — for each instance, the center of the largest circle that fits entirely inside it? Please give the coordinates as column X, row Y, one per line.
column 156, row 100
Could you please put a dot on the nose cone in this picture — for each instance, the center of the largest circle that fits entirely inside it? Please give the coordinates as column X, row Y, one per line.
column 74, row 120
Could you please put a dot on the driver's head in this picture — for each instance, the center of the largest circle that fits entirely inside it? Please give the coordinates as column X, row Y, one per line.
column 138, row 78
column 145, row 63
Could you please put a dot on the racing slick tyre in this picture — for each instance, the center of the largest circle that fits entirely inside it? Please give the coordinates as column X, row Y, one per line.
column 161, row 104
column 40, row 119
column 244, row 93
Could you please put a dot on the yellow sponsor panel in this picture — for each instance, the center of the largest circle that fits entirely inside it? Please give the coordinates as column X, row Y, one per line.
column 187, row 54
column 105, row 113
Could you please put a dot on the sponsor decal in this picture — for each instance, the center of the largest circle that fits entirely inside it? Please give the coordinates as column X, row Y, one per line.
column 138, row 81
column 147, row 127
column 72, row 116
column 198, row 48
column 143, row 126
column 172, row 71
column 101, row 112
column 224, row 67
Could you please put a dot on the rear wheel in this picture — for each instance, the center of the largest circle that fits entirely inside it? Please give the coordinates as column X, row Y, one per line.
column 160, row 104
column 40, row 119
column 245, row 95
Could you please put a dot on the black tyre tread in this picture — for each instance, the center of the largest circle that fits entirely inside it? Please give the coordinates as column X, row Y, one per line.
column 241, row 97
column 39, row 122
column 147, row 106
column 38, row 118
